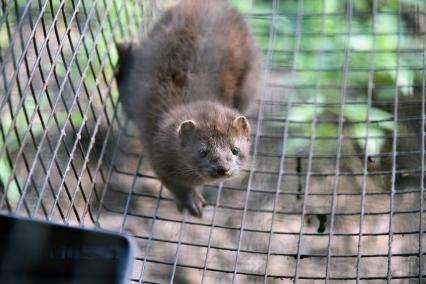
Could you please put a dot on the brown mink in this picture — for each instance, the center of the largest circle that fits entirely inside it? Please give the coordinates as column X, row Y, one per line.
column 184, row 86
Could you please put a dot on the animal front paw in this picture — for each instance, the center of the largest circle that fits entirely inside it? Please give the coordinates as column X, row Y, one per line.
column 193, row 201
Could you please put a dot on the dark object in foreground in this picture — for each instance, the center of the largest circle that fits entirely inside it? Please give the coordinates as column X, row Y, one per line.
column 38, row 252
column 185, row 87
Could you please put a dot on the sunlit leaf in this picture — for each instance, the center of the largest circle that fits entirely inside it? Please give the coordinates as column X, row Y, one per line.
column 4, row 37
column 296, row 145
column 387, row 125
column 60, row 69
column 247, row 6
column 360, row 113
column 361, row 42
column 282, row 24
column 76, row 118
column 242, row 6
column 386, row 23
column 405, row 80
column 326, row 130
column 331, row 6
column 5, row 172
column 306, row 112
column 370, row 138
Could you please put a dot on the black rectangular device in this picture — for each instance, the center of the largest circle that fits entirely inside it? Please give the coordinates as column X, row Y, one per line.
column 39, row 252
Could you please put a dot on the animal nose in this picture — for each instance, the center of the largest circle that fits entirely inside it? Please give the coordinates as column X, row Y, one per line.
column 221, row 171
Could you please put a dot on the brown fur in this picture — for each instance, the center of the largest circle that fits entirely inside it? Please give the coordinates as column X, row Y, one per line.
column 184, row 85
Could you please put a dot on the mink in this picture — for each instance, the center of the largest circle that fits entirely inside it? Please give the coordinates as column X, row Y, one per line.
column 186, row 86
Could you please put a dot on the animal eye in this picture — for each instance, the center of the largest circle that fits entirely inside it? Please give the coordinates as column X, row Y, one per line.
column 202, row 152
column 235, row 150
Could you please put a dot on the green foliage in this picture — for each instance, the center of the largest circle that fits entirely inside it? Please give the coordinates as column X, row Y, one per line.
column 330, row 41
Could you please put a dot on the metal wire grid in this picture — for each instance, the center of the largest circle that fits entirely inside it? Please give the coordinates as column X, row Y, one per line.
column 56, row 41
column 73, row 158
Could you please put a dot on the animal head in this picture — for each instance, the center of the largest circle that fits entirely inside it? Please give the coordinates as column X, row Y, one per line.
column 215, row 150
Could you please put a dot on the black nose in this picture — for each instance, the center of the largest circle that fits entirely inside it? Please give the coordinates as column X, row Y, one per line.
column 221, row 171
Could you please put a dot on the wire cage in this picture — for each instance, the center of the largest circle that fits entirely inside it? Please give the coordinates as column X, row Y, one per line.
column 335, row 187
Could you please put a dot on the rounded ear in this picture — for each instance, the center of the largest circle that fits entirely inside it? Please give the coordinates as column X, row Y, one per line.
column 186, row 128
column 124, row 59
column 242, row 125
column 122, row 48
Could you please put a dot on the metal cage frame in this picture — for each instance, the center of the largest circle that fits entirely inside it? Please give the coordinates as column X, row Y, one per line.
column 69, row 155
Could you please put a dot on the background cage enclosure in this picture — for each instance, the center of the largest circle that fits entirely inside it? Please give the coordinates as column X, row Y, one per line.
column 335, row 187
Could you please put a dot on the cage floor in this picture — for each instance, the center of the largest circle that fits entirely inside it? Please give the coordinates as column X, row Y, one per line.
column 303, row 216
column 334, row 191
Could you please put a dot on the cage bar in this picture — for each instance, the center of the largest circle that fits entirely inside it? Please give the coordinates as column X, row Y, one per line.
column 335, row 187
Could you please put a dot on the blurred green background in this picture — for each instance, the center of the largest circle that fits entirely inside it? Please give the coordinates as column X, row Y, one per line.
column 352, row 58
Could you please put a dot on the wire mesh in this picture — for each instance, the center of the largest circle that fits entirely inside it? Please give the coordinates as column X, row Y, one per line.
column 335, row 187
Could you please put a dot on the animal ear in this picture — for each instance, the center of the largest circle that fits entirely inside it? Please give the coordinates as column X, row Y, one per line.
column 124, row 58
column 241, row 124
column 186, row 128
column 122, row 48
